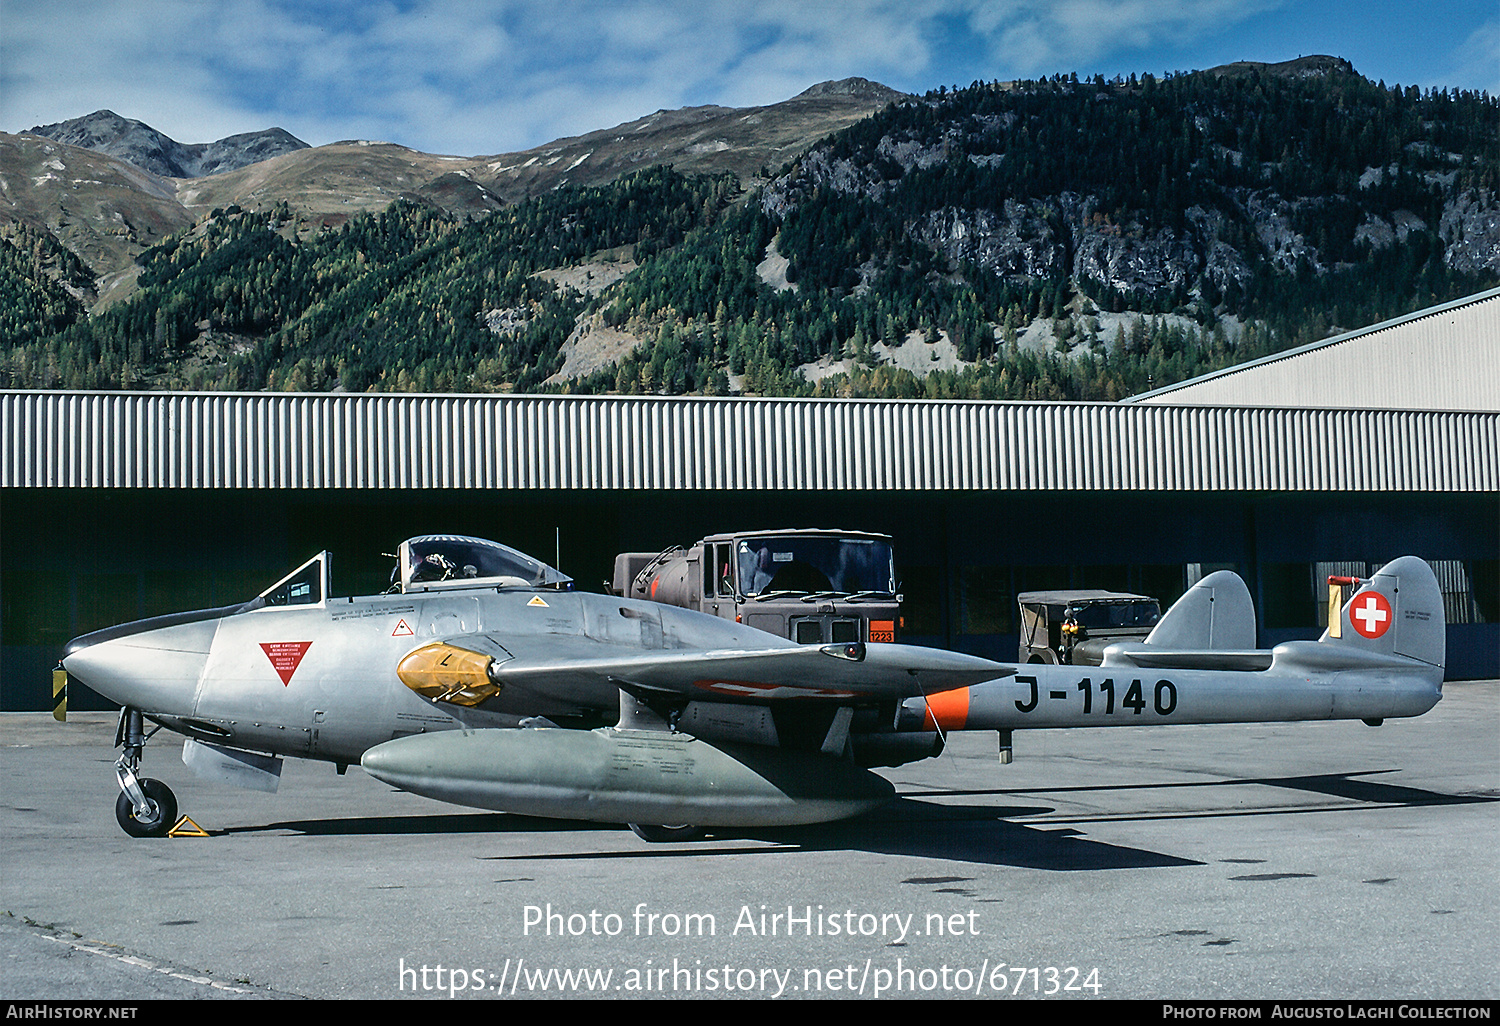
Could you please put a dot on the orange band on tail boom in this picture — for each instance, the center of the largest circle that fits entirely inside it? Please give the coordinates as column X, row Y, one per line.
column 948, row 710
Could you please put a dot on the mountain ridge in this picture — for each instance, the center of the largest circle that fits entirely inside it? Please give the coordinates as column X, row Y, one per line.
column 150, row 150
column 1058, row 238
column 326, row 185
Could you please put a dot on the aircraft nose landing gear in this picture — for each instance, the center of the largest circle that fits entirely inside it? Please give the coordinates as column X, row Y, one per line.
column 145, row 807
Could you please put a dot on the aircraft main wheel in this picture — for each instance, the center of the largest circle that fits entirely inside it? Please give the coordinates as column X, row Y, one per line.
column 658, row 834
column 163, row 810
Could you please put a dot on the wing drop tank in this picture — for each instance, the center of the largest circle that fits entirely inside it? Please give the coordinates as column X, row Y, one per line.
column 627, row 776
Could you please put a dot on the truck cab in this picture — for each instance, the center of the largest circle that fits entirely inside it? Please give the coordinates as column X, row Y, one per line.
column 813, row 586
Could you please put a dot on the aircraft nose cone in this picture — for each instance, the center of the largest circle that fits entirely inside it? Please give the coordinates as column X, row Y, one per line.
column 77, row 645
column 153, row 669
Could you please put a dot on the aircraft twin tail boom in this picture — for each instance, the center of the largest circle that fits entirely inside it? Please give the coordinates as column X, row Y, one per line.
column 1383, row 657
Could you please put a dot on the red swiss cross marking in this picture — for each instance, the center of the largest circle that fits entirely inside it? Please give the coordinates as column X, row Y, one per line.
column 1370, row 614
column 285, row 657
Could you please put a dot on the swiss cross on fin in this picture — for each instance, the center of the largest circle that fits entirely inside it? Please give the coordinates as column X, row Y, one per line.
column 285, row 657
column 1371, row 614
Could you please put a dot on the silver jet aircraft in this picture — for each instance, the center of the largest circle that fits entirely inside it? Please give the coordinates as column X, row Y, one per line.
column 483, row 679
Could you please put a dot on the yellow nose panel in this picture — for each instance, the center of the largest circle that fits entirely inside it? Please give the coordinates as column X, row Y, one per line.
column 446, row 673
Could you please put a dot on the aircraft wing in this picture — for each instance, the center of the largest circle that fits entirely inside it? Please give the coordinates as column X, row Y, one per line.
column 574, row 668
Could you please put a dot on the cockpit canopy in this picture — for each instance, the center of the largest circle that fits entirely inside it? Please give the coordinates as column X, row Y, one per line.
column 429, row 562
column 434, row 561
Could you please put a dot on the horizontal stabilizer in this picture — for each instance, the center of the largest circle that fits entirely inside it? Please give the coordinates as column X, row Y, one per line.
column 1212, row 627
column 1247, row 660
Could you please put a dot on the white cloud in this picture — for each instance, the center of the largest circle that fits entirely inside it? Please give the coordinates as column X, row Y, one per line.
column 480, row 77
column 198, row 71
column 1478, row 59
column 1041, row 37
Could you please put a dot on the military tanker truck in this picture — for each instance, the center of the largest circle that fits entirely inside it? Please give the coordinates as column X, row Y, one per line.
column 817, row 587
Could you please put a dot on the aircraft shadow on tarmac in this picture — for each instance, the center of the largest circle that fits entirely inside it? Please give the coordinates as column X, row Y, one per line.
column 1349, row 786
column 964, row 833
column 912, row 826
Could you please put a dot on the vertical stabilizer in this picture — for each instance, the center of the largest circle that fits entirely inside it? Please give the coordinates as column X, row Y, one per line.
column 1215, row 613
column 1399, row 611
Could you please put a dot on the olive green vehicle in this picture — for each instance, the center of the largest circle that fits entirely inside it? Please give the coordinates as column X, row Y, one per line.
column 1074, row 627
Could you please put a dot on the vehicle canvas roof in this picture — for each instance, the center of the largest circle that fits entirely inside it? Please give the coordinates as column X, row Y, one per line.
column 831, row 532
column 1062, row 598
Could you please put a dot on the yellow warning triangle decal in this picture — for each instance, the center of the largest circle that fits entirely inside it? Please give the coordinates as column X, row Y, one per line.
column 536, row 601
column 187, row 828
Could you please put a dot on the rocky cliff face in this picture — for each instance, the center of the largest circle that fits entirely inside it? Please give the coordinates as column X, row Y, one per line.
column 1470, row 230
column 1151, row 248
column 150, row 150
column 1066, row 235
column 1019, row 240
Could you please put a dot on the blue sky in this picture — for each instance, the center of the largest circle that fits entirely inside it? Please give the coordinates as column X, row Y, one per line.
column 472, row 77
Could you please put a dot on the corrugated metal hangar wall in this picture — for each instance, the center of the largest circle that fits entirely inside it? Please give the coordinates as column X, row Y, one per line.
column 118, row 505
column 1442, row 358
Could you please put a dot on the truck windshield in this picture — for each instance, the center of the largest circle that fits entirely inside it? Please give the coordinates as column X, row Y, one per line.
column 814, row 563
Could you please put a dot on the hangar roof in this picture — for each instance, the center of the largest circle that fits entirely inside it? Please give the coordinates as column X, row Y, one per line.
column 1442, row 358
column 287, row 441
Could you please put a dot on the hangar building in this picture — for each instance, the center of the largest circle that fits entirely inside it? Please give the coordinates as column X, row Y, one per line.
column 115, row 506
column 1443, row 358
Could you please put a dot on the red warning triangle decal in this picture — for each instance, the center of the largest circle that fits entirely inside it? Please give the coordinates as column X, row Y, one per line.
column 402, row 630
column 285, row 656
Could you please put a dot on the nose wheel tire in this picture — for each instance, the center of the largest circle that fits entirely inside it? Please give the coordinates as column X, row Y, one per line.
column 658, row 834
column 158, row 821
